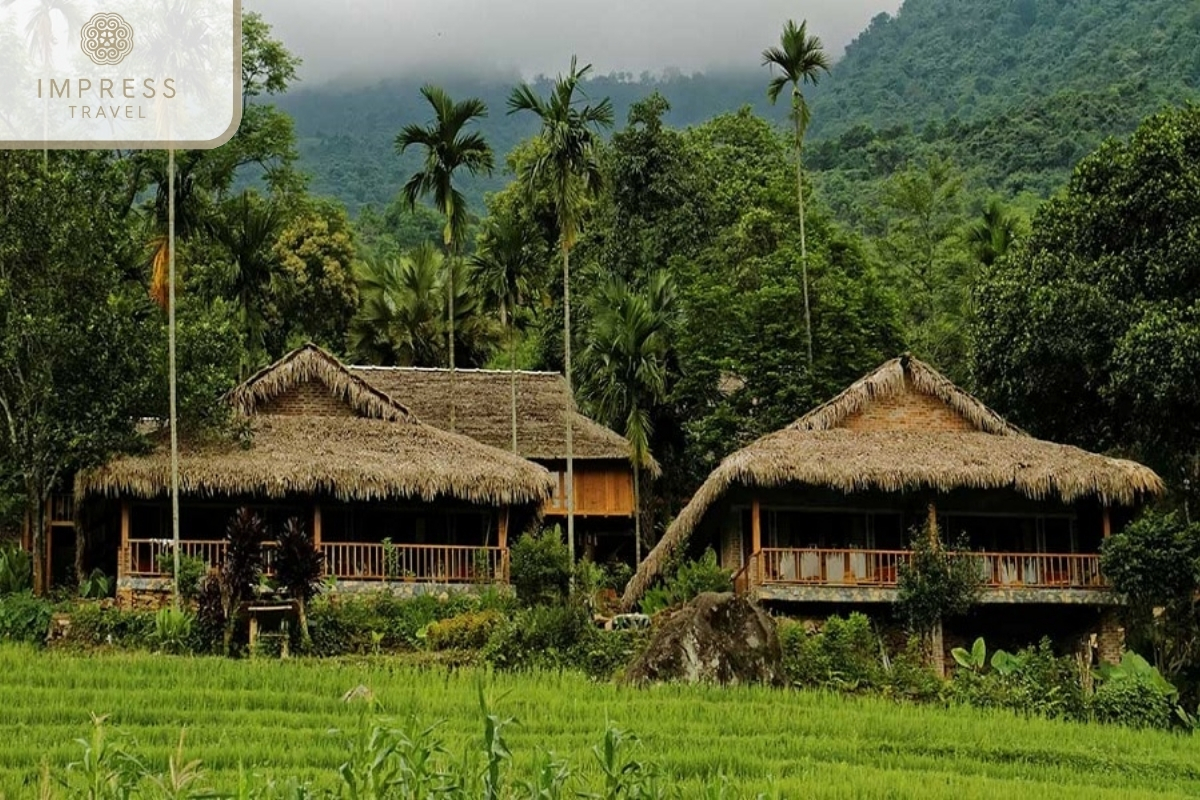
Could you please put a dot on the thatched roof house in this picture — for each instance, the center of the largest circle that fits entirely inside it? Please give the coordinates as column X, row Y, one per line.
column 905, row 428
column 484, row 409
column 316, row 428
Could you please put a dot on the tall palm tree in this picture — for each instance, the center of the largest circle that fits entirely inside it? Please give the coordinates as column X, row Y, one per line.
column 247, row 228
column 448, row 147
column 800, row 60
column 626, row 362
column 991, row 235
column 568, row 166
column 503, row 267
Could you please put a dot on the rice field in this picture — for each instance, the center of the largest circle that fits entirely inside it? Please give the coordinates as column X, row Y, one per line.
column 276, row 717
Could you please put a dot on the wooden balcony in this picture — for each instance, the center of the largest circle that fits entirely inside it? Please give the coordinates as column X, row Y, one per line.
column 851, row 575
column 148, row 558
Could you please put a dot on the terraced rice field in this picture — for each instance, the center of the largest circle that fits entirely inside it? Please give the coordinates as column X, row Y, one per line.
column 276, row 717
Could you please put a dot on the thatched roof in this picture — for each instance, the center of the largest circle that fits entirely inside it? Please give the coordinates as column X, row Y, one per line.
column 990, row 454
column 484, row 409
column 380, row 451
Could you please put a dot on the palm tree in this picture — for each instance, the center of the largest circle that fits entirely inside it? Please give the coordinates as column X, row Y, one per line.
column 990, row 236
column 248, row 228
column 403, row 317
column 503, row 267
column 627, row 367
column 448, row 148
column 568, row 167
column 800, row 59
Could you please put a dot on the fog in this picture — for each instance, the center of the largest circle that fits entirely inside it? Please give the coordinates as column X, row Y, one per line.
column 373, row 39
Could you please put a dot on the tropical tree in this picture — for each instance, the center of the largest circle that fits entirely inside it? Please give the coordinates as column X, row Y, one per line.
column 568, row 168
column 448, row 147
column 991, row 235
column 800, row 59
column 627, row 367
column 503, row 271
column 248, row 228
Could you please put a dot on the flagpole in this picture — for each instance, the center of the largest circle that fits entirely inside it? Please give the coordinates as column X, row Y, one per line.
column 173, row 410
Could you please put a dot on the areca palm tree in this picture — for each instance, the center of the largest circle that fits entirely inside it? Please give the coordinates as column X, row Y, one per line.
column 800, row 59
column 503, row 268
column 627, row 368
column 568, row 167
column 448, row 147
column 248, row 227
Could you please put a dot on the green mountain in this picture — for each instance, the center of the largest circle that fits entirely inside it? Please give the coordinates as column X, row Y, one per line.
column 1014, row 92
column 347, row 134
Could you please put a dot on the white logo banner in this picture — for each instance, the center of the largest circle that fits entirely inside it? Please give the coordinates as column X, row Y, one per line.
column 120, row 73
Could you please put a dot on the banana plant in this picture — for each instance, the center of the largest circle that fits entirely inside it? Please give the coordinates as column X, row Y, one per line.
column 974, row 659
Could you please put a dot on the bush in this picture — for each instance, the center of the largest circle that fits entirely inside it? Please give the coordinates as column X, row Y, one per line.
column 691, row 578
column 934, row 584
column 93, row 625
column 1032, row 681
column 844, row 654
column 540, row 637
column 382, row 622
column 192, row 570
column 604, row 655
column 16, row 570
column 1136, row 703
column 24, row 618
column 540, row 568
column 469, row 631
column 173, row 630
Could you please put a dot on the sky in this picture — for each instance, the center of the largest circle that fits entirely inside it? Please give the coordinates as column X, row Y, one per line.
column 374, row 39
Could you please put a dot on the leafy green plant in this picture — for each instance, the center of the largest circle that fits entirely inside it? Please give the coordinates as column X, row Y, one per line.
column 469, row 631
column 24, row 618
column 96, row 586
column 690, row 579
column 540, row 568
column 391, row 558
column 16, row 570
column 974, row 659
column 298, row 569
column 1006, row 664
column 935, row 584
column 191, row 571
column 173, row 629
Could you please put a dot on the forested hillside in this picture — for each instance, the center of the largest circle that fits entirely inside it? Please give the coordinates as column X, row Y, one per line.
column 347, row 134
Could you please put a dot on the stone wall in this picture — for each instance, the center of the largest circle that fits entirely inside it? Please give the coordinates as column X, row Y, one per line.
column 1110, row 636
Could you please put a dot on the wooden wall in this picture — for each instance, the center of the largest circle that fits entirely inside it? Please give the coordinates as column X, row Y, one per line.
column 602, row 489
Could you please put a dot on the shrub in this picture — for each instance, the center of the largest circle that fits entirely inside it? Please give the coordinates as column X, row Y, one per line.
column 691, row 578
column 1136, row 703
column 24, row 618
column 192, row 570
column 298, row 568
column 16, row 570
column 173, row 630
column 93, row 625
column 1031, row 681
column 469, row 631
column 539, row 637
column 210, row 613
column 604, row 655
column 96, row 586
column 934, row 584
column 845, row 654
column 540, row 568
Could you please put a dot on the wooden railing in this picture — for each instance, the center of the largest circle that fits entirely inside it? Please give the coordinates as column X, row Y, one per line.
column 416, row 562
column 839, row 567
column 350, row 561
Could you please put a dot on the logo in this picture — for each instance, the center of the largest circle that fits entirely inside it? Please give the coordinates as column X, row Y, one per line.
column 107, row 39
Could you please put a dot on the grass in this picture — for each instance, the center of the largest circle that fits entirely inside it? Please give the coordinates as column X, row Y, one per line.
column 276, row 717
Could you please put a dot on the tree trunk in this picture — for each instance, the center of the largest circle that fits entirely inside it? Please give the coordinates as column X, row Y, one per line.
column 803, row 244
column 512, row 377
column 637, row 514
column 80, row 554
column 450, row 284
column 34, row 497
column 302, row 618
column 570, row 400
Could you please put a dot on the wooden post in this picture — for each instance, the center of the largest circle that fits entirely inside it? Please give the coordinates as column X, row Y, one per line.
column 933, row 523
column 123, row 559
column 502, row 530
column 316, row 526
column 1106, row 520
column 755, row 539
